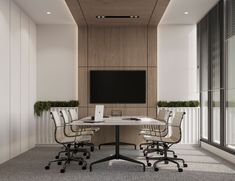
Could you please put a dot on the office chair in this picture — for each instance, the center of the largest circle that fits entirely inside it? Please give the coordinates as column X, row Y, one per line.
column 168, row 141
column 158, row 131
column 85, row 133
column 163, row 116
column 74, row 117
column 68, row 143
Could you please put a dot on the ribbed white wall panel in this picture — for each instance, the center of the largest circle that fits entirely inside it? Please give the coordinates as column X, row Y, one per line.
column 190, row 125
column 4, row 79
column 17, row 77
column 15, row 111
column 45, row 127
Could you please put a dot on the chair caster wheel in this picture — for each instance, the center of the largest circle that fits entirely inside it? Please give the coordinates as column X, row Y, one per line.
column 80, row 163
column 62, row 170
column 175, row 156
column 149, row 164
column 57, row 157
column 166, row 162
column 84, row 168
column 92, row 149
column 84, row 154
column 185, row 165
column 59, row 163
column 141, row 148
column 156, row 169
column 180, row 170
column 87, row 157
column 47, row 167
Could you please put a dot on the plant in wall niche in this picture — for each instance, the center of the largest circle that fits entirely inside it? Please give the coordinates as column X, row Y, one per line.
column 41, row 106
column 177, row 103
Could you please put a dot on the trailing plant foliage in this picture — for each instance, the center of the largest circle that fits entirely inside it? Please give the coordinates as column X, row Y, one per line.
column 41, row 106
column 178, row 104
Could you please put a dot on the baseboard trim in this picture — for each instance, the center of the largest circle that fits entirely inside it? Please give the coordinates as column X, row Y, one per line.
column 223, row 154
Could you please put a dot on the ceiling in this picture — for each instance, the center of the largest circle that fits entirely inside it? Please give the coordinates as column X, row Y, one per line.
column 174, row 13
column 37, row 9
column 142, row 8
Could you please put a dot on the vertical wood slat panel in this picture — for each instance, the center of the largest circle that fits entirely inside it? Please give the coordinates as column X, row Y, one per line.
column 190, row 124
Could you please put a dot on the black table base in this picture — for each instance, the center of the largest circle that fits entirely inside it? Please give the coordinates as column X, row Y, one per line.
column 117, row 155
column 120, row 143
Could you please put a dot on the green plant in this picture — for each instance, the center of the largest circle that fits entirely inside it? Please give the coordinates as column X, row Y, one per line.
column 178, row 104
column 41, row 106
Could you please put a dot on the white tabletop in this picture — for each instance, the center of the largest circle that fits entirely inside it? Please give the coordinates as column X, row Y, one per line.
column 120, row 121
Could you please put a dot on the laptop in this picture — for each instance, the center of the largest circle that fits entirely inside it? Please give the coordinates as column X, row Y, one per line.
column 99, row 115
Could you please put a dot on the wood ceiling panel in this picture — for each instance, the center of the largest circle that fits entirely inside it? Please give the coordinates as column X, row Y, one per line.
column 76, row 12
column 93, row 8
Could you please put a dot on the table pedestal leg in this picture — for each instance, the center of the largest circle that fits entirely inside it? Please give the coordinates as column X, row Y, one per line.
column 117, row 154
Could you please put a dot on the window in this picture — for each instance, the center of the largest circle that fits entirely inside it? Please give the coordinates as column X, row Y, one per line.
column 230, row 74
column 216, row 36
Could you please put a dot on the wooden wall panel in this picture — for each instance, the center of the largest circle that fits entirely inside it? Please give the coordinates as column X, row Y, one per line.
column 82, row 112
column 117, row 46
column 152, row 112
column 82, row 47
column 152, row 86
column 152, row 46
column 82, row 86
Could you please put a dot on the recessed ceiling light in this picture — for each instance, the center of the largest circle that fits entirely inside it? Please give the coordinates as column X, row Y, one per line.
column 48, row 13
column 118, row 17
column 186, row 12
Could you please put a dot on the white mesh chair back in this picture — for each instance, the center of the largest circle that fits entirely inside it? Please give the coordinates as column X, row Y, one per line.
column 56, row 118
column 74, row 115
column 65, row 116
column 176, row 126
column 59, row 127
column 163, row 115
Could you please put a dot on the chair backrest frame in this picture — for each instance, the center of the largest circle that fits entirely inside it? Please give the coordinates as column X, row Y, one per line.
column 58, row 125
column 176, row 126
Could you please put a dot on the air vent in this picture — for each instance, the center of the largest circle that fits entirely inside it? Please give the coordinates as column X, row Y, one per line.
column 117, row 17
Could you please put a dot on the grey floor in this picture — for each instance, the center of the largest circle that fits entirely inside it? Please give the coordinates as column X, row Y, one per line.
column 203, row 166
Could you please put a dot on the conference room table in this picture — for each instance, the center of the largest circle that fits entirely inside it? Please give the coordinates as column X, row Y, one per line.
column 117, row 122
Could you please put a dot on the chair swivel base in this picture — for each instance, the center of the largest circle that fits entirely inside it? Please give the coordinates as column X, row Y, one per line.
column 166, row 160
column 113, row 144
column 117, row 157
column 145, row 144
column 67, row 161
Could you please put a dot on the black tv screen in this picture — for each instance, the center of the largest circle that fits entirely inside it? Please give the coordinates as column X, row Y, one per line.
column 118, row 86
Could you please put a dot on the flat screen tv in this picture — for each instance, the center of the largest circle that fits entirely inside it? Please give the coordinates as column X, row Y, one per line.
column 114, row 86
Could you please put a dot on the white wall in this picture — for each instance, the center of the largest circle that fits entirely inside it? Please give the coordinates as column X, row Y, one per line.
column 57, row 62
column 17, row 81
column 177, row 63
